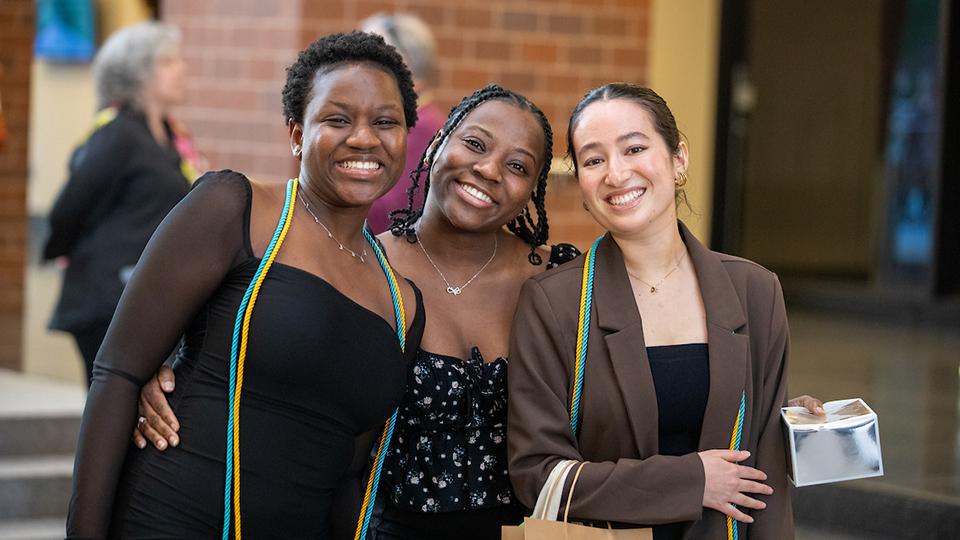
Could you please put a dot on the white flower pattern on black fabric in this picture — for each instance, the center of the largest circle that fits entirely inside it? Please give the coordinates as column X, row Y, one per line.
column 451, row 453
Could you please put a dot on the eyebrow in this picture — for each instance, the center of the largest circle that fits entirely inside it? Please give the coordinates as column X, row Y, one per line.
column 347, row 106
column 620, row 139
column 516, row 149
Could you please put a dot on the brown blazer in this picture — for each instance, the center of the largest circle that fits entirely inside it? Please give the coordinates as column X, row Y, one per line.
column 626, row 480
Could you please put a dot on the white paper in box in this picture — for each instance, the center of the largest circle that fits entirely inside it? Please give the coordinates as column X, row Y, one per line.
column 844, row 445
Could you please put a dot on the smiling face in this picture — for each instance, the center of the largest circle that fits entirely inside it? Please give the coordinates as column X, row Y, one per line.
column 485, row 171
column 625, row 169
column 353, row 141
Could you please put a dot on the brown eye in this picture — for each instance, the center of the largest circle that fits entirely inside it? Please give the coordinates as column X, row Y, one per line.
column 474, row 143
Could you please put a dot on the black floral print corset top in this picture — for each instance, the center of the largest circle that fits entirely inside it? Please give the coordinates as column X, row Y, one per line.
column 449, row 451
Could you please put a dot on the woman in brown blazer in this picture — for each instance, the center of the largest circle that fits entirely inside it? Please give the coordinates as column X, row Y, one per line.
column 679, row 337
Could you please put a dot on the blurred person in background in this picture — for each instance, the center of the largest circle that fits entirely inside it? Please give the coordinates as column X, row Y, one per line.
column 135, row 165
column 415, row 42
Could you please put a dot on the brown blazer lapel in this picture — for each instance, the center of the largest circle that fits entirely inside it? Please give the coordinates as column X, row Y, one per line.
column 622, row 331
column 729, row 347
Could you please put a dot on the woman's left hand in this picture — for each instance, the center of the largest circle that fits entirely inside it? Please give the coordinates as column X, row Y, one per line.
column 812, row 404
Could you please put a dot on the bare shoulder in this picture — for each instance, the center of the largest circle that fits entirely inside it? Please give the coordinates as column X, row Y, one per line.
column 399, row 251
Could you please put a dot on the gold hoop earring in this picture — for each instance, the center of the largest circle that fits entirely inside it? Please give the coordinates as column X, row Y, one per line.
column 681, row 179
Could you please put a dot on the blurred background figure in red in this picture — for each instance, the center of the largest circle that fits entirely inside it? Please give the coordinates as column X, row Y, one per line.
column 415, row 42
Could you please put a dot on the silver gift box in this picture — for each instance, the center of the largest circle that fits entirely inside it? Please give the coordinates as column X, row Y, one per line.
column 845, row 445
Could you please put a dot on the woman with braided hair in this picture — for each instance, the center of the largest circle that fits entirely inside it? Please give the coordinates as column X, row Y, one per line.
column 446, row 475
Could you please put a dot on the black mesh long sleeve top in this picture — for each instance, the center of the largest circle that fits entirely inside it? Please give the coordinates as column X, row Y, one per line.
column 320, row 370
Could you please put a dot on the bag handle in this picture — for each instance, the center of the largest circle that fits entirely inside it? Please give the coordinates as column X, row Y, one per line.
column 566, row 511
column 548, row 502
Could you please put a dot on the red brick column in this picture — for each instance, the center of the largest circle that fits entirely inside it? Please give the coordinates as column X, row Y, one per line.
column 16, row 55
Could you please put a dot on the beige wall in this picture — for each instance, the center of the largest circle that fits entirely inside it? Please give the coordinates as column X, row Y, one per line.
column 61, row 112
column 684, row 45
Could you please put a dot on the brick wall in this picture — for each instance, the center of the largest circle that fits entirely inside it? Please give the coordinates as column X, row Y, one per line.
column 16, row 41
column 236, row 52
column 551, row 50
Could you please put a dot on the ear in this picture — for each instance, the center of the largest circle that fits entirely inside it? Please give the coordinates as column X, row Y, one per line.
column 681, row 158
column 296, row 138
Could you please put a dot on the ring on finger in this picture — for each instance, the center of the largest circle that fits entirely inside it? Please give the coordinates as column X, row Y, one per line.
column 141, row 421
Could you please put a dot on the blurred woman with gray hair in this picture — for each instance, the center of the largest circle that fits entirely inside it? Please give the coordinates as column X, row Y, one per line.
column 415, row 42
column 134, row 167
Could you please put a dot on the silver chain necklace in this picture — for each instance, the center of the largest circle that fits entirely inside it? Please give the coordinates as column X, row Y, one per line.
column 362, row 255
column 452, row 289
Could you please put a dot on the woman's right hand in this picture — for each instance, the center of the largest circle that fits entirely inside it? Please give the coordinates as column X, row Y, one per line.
column 157, row 423
column 726, row 482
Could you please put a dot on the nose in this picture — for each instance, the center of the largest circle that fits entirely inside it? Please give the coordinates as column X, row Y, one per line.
column 487, row 169
column 363, row 137
column 617, row 172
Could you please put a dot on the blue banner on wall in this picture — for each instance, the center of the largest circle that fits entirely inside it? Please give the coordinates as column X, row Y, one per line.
column 65, row 30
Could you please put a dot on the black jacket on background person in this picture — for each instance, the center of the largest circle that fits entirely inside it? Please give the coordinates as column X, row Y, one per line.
column 122, row 184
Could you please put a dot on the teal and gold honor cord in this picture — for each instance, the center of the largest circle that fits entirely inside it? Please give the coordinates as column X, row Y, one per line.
column 238, row 352
column 583, row 335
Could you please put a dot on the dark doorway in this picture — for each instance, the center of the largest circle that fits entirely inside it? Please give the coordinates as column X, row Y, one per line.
column 833, row 144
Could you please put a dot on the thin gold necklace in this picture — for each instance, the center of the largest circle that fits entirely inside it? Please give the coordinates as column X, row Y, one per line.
column 656, row 287
column 453, row 289
column 363, row 253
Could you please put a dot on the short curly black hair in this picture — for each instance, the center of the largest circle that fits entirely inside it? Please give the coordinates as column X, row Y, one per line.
column 340, row 48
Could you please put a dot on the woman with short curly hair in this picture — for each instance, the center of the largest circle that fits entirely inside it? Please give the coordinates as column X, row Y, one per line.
column 292, row 318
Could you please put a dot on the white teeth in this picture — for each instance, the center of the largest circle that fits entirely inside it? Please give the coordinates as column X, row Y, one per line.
column 627, row 198
column 364, row 165
column 476, row 193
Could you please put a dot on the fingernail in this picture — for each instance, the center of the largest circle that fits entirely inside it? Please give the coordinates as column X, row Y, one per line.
column 161, row 444
column 167, row 385
column 140, row 444
column 174, row 440
column 820, row 410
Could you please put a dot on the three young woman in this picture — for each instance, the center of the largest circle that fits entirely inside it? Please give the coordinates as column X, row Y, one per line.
column 445, row 473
